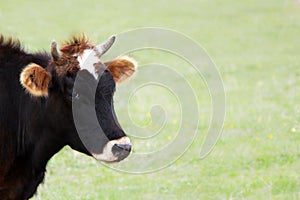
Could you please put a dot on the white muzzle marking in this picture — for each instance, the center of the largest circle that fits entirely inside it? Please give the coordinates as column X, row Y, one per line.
column 107, row 154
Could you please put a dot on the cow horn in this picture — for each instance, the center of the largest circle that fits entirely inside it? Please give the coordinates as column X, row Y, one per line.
column 102, row 48
column 54, row 52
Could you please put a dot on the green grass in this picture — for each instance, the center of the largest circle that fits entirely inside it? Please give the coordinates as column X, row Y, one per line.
column 255, row 45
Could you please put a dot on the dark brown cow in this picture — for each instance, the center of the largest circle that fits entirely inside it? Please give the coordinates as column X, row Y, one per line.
column 37, row 98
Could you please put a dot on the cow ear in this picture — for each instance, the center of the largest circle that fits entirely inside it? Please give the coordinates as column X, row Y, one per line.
column 122, row 68
column 35, row 79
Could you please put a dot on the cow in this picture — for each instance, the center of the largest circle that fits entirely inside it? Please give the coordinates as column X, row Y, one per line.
column 37, row 98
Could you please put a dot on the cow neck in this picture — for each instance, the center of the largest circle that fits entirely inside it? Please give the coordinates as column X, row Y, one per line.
column 23, row 134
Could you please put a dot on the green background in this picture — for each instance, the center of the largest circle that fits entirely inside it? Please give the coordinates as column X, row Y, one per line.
column 255, row 45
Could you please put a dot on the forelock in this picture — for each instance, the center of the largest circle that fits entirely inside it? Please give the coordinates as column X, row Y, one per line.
column 76, row 45
column 70, row 50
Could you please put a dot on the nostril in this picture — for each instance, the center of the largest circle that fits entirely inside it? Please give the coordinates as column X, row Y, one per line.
column 126, row 147
column 121, row 151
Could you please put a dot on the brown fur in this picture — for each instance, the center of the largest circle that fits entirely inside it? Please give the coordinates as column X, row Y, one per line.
column 122, row 68
column 35, row 80
column 76, row 45
column 66, row 63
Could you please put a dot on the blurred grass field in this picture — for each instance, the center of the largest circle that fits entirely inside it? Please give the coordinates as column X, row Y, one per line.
column 255, row 45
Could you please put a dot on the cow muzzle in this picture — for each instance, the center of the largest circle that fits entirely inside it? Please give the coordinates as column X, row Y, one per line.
column 115, row 150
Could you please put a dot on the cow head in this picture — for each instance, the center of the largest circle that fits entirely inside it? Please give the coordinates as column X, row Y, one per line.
column 76, row 79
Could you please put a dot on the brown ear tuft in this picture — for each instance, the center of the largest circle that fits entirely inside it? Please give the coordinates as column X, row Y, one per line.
column 122, row 68
column 35, row 79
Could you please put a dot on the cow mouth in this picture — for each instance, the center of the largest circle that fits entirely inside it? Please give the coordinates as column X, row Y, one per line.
column 114, row 150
